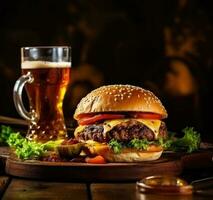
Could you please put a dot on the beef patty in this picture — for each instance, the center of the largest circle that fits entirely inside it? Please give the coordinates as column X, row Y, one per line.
column 123, row 132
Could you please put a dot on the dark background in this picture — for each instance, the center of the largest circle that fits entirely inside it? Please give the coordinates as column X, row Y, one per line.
column 165, row 46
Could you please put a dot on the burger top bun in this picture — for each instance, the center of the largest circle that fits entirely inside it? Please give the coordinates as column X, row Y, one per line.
column 120, row 98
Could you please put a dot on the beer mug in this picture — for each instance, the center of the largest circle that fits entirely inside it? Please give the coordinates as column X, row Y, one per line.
column 45, row 76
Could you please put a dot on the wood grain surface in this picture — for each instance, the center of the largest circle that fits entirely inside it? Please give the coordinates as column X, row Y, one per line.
column 32, row 189
column 128, row 191
column 4, row 181
column 4, row 151
column 4, row 154
column 28, row 189
column 113, row 191
column 70, row 171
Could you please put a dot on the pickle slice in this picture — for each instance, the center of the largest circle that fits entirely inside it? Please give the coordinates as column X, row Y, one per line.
column 69, row 150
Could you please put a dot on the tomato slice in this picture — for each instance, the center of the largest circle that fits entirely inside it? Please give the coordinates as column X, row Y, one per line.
column 86, row 119
column 96, row 160
column 99, row 117
column 141, row 115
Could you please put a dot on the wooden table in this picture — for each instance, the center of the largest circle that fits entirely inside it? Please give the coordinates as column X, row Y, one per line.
column 13, row 188
column 17, row 188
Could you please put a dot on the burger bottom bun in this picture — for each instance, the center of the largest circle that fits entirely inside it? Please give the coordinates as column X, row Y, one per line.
column 133, row 156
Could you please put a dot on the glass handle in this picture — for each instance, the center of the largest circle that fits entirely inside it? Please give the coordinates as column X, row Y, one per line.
column 17, row 95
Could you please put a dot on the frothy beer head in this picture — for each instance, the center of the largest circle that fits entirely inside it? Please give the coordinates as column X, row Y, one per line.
column 44, row 64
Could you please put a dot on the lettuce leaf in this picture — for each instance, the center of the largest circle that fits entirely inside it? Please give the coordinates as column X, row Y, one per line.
column 24, row 148
column 189, row 142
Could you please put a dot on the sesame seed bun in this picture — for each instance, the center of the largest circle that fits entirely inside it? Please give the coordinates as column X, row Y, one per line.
column 120, row 98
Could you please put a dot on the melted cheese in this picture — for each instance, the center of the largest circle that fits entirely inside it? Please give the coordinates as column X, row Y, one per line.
column 108, row 125
column 154, row 125
column 79, row 129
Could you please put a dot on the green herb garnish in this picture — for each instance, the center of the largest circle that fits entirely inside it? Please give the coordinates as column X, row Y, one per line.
column 30, row 150
column 115, row 145
column 165, row 143
column 139, row 144
column 189, row 142
column 4, row 134
column 24, row 148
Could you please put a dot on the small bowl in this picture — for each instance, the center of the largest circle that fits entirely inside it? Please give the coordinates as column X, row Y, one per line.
column 164, row 185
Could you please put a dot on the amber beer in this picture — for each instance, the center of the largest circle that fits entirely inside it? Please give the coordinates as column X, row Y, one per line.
column 46, row 93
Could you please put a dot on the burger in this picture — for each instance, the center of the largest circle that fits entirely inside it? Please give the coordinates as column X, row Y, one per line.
column 123, row 123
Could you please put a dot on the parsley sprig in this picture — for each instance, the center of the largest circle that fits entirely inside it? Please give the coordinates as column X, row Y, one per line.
column 189, row 142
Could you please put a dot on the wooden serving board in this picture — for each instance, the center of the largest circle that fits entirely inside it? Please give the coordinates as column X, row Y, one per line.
column 71, row 171
column 169, row 164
